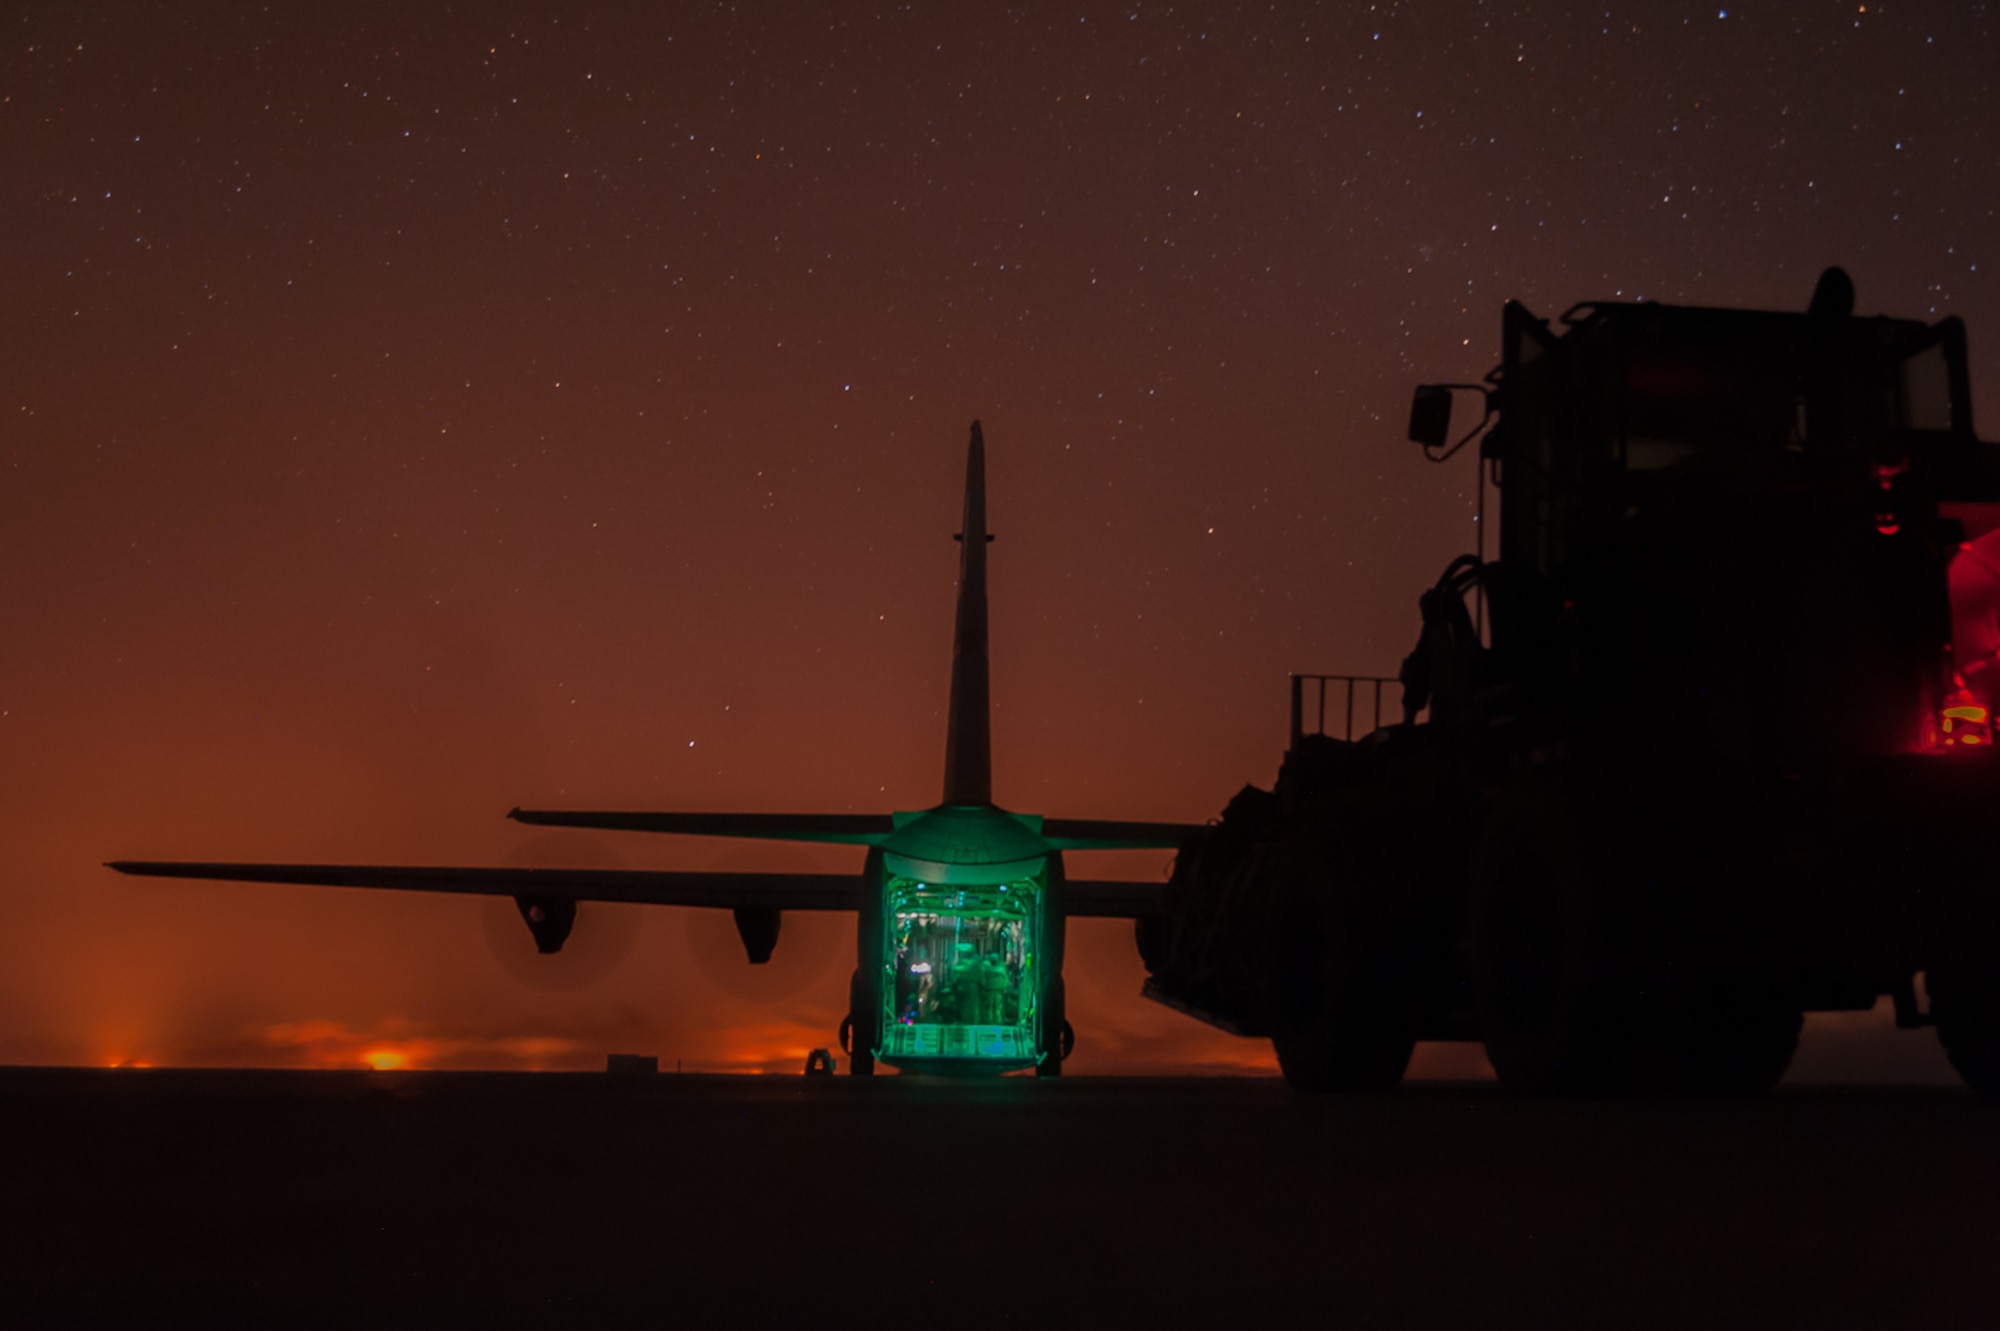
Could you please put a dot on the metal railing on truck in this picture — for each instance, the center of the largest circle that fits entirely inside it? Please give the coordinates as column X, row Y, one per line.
column 1373, row 687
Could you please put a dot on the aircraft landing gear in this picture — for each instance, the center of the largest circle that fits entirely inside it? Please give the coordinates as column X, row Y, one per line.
column 860, row 1064
column 1058, row 1039
column 858, row 1027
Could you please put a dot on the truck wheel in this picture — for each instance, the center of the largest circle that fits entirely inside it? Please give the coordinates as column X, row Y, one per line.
column 1731, row 1047
column 1967, row 1013
column 1541, row 1023
column 1340, row 1023
column 1577, row 996
column 1352, row 1058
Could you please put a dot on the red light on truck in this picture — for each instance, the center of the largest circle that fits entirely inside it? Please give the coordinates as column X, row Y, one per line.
column 1962, row 723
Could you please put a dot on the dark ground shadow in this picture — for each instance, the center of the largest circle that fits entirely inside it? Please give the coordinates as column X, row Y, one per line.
column 424, row 1199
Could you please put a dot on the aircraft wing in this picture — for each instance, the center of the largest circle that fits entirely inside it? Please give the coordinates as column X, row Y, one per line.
column 853, row 829
column 1107, row 900
column 1102, row 899
column 850, row 829
column 731, row 891
column 1097, row 834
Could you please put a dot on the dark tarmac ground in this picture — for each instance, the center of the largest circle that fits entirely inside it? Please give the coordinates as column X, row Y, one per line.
column 150, row 1198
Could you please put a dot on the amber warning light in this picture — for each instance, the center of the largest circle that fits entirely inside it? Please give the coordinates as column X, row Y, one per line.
column 1963, row 723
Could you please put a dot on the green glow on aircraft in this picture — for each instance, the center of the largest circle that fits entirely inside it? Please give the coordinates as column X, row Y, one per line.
column 961, row 907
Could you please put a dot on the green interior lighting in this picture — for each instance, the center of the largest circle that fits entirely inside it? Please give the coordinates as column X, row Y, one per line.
column 960, row 984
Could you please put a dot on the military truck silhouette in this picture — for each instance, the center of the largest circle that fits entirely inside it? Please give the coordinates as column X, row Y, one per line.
column 1703, row 746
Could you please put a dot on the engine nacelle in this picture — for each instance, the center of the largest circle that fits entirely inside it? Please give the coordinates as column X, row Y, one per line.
column 758, row 926
column 549, row 919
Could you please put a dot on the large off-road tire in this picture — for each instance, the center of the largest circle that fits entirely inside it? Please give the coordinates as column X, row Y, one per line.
column 1356, row 1057
column 1342, row 1023
column 1965, row 1004
column 1545, row 1029
column 1593, row 977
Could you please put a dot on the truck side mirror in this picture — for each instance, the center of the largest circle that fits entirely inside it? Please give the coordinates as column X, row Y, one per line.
column 1430, row 415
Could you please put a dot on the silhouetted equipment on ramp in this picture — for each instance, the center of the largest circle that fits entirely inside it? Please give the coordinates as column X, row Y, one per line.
column 1703, row 746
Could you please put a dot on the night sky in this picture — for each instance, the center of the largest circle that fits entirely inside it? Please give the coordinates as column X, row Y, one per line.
column 414, row 411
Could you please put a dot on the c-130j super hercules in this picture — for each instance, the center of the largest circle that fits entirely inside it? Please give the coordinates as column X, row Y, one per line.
column 961, row 907
column 1719, row 755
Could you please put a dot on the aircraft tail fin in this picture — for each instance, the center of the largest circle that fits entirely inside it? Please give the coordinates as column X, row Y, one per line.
column 968, row 746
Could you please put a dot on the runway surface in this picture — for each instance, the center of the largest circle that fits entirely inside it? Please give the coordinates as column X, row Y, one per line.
column 427, row 1199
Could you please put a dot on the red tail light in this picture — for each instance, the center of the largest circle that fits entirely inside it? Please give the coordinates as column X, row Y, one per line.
column 1963, row 722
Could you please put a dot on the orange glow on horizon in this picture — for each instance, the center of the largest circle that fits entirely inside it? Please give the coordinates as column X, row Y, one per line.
column 773, row 1048
column 393, row 1047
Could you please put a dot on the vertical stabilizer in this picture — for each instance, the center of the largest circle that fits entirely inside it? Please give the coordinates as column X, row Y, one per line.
column 968, row 745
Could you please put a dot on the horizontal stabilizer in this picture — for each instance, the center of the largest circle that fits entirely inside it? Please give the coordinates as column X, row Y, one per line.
column 729, row 891
column 849, row 829
column 1095, row 834
column 1106, row 900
